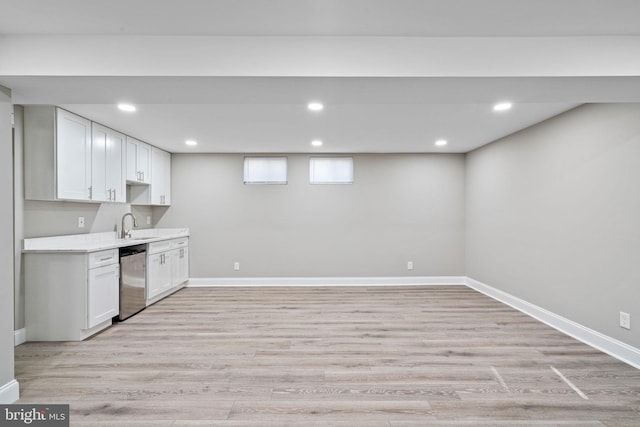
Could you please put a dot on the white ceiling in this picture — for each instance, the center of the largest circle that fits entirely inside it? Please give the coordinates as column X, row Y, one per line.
column 440, row 18
column 365, row 112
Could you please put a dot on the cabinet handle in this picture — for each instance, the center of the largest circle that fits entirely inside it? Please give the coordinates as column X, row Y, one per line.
column 106, row 259
column 110, row 195
column 90, row 192
column 114, row 195
column 181, row 252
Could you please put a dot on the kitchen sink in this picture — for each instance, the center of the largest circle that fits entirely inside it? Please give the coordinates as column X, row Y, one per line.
column 138, row 238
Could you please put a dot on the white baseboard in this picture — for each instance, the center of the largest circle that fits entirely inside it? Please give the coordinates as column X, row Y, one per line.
column 20, row 336
column 604, row 343
column 326, row 281
column 10, row 392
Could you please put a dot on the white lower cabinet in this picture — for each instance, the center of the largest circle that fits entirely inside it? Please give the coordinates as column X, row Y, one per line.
column 159, row 274
column 180, row 265
column 167, row 267
column 102, row 294
column 70, row 296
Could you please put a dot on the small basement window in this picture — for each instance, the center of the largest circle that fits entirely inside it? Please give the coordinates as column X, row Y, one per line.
column 265, row 170
column 331, row 170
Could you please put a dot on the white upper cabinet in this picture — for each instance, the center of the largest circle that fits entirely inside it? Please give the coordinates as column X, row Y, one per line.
column 116, row 158
column 107, row 183
column 57, row 155
column 161, row 177
column 68, row 157
column 99, row 142
column 73, row 148
column 138, row 161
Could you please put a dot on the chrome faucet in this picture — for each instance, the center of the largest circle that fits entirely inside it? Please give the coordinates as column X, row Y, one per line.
column 124, row 234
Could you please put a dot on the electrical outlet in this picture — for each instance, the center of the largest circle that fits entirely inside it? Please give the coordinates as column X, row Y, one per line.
column 236, row 266
column 80, row 222
column 148, row 220
column 625, row 320
column 409, row 265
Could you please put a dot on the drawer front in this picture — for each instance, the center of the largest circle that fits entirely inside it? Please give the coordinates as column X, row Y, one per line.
column 162, row 246
column 99, row 259
column 179, row 243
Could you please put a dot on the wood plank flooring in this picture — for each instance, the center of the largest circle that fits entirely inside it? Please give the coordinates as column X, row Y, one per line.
column 332, row 356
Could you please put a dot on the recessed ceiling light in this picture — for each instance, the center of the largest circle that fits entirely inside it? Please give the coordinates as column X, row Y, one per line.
column 316, row 143
column 315, row 106
column 441, row 142
column 502, row 106
column 127, row 107
column 190, row 142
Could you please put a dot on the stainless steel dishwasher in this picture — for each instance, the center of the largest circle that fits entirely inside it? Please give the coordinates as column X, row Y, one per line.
column 133, row 280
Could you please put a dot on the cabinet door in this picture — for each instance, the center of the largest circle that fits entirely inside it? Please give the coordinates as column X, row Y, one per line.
column 115, row 171
column 144, row 162
column 166, row 157
column 158, row 274
column 138, row 161
column 102, row 294
column 99, row 144
column 181, row 274
column 132, row 160
column 161, row 177
column 73, row 158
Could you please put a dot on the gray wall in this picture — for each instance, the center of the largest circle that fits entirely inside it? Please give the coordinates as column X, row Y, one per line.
column 43, row 219
column 6, row 239
column 400, row 208
column 553, row 216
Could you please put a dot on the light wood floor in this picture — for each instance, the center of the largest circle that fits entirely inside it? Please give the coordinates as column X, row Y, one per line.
column 357, row 356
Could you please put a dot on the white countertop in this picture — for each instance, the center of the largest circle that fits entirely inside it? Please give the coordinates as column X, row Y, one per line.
column 100, row 241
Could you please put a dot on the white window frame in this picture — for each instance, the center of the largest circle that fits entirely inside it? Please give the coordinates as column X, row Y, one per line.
column 316, row 179
column 269, row 177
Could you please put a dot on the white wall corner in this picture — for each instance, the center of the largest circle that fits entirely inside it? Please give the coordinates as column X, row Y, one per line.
column 611, row 346
column 20, row 336
column 10, row 392
column 327, row 281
